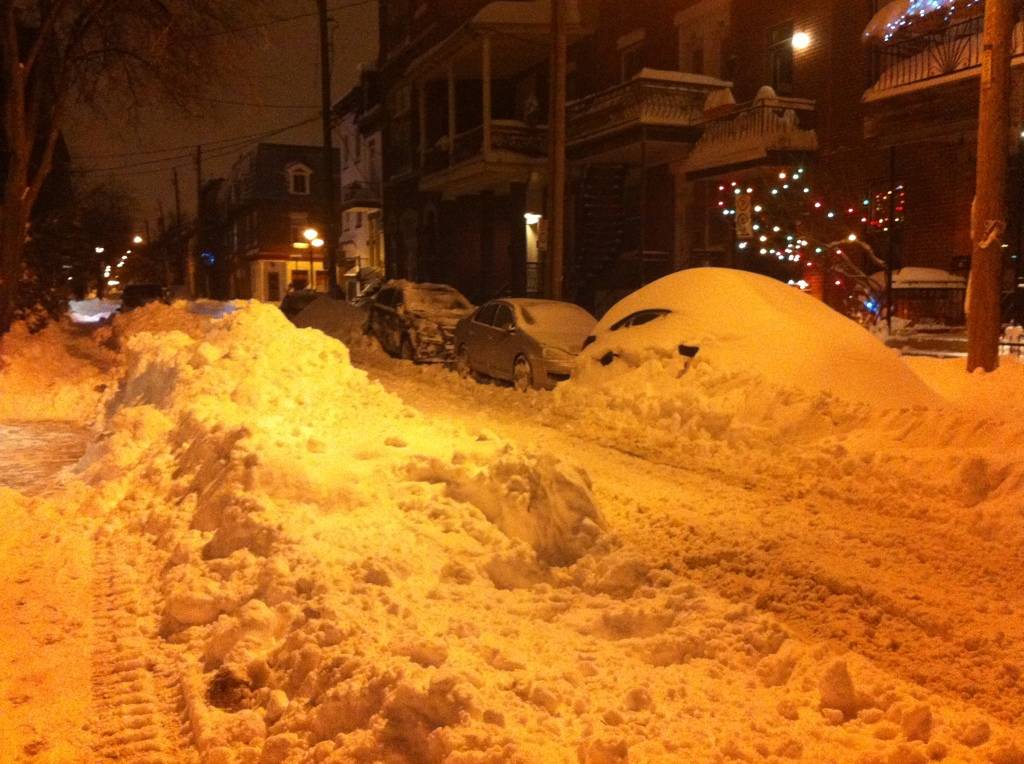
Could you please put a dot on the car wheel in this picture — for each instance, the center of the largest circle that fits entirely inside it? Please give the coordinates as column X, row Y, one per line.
column 522, row 374
column 462, row 367
column 408, row 352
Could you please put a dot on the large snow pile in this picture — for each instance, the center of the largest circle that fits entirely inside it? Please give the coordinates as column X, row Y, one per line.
column 315, row 537
column 57, row 374
column 784, row 390
column 754, row 326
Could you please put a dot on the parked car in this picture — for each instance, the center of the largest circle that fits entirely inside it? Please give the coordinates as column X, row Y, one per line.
column 530, row 343
column 136, row 295
column 297, row 301
column 741, row 329
column 417, row 321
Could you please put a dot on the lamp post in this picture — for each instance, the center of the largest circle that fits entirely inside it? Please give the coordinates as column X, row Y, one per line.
column 313, row 243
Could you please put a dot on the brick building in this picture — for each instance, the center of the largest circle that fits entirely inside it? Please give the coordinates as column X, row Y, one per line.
column 256, row 216
column 673, row 105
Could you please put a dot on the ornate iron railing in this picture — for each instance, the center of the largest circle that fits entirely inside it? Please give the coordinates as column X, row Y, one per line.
column 953, row 48
column 644, row 100
column 754, row 131
column 507, row 136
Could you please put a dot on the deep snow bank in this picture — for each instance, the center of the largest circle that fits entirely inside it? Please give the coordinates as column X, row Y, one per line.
column 305, row 522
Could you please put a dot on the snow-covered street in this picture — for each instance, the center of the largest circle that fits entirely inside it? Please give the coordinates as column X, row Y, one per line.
column 271, row 553
column 32, row 454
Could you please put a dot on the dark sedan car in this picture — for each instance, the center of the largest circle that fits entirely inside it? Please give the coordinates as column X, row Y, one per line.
column 530, row 343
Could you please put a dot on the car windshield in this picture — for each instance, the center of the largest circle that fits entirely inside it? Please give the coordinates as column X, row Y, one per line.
column 428, row 299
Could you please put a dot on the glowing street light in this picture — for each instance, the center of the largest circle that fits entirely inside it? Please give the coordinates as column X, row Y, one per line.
column 801, row 41
column 137, row 240
column 312, row 242
column 100, row 250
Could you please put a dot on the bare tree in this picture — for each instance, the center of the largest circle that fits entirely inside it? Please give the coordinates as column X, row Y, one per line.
column 120, row 54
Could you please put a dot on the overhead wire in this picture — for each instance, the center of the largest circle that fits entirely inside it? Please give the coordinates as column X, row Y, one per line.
column 213, row 150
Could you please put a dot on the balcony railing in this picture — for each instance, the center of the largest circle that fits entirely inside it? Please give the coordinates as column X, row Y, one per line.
column 754, row 132
column 506, row 136
column 953, row 48
column 361, row 194
column 651, row 98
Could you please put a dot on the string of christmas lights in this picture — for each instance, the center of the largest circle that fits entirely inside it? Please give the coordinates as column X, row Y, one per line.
column 903, row 13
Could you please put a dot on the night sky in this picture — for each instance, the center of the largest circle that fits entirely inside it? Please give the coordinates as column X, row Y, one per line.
column 276, row 66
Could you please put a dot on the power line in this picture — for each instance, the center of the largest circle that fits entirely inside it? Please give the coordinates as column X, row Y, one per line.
column 216, row 149
column 282, row 20
column 213, row 146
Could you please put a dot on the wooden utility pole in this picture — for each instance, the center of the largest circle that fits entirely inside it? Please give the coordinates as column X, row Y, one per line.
column 988, row 217
column 191, row 264
column 556, row 152
column 330, row 181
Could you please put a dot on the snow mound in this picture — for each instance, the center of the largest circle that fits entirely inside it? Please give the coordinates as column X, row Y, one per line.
column 335, row 318
column 751, row 325
column 310, row 530
column 57, row 374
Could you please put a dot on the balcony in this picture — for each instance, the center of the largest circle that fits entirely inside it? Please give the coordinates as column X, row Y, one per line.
column 768, row 130
column 505, row 151
column 944, row 54
column 361, row 194
column 665, row 106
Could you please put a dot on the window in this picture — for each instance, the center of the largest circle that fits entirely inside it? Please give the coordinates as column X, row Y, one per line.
column 359, row 220
column 780, row 58
column 346, row 154
column 357, row 146
column 703, row 28
column 344, row 221
column 298, row 222
column 486, row 314
column 504, row 318
column 883, row 205
column 298, row 179
column 632, row 53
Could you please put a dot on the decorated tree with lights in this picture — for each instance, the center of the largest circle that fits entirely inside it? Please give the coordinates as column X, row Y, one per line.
column 807, row 238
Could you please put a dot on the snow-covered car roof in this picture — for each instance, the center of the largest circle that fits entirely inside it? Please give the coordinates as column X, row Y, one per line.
column 758, row 327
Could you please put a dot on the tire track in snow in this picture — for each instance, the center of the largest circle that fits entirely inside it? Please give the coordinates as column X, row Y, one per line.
column 916, row 595
column 137, row 696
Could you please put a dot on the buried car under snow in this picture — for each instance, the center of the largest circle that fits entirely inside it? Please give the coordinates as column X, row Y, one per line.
column 530, row 343
column 745, row 326
column 417, row 321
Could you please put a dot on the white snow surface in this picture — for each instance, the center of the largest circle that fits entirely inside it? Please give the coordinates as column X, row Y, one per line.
column 756, row 332
column 672, row 563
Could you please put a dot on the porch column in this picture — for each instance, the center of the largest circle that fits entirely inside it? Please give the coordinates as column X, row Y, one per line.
column 683, row 200
column 486, row 77
column 422, row 93
column 452, row 115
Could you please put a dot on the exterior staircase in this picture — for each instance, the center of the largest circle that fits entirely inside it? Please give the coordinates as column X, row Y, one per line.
column 602, row 227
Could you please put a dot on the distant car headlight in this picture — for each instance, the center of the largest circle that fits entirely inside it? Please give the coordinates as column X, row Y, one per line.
column 557, row 354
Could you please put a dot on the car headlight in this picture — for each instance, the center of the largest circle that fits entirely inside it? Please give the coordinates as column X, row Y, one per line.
column 557, row 354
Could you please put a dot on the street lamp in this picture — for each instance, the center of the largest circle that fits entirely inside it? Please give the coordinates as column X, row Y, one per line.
column 312, row 242
column 137, row 240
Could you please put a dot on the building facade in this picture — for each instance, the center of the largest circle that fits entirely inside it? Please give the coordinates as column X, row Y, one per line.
column 256, row 229
column 701, row 132
column 358, row 134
